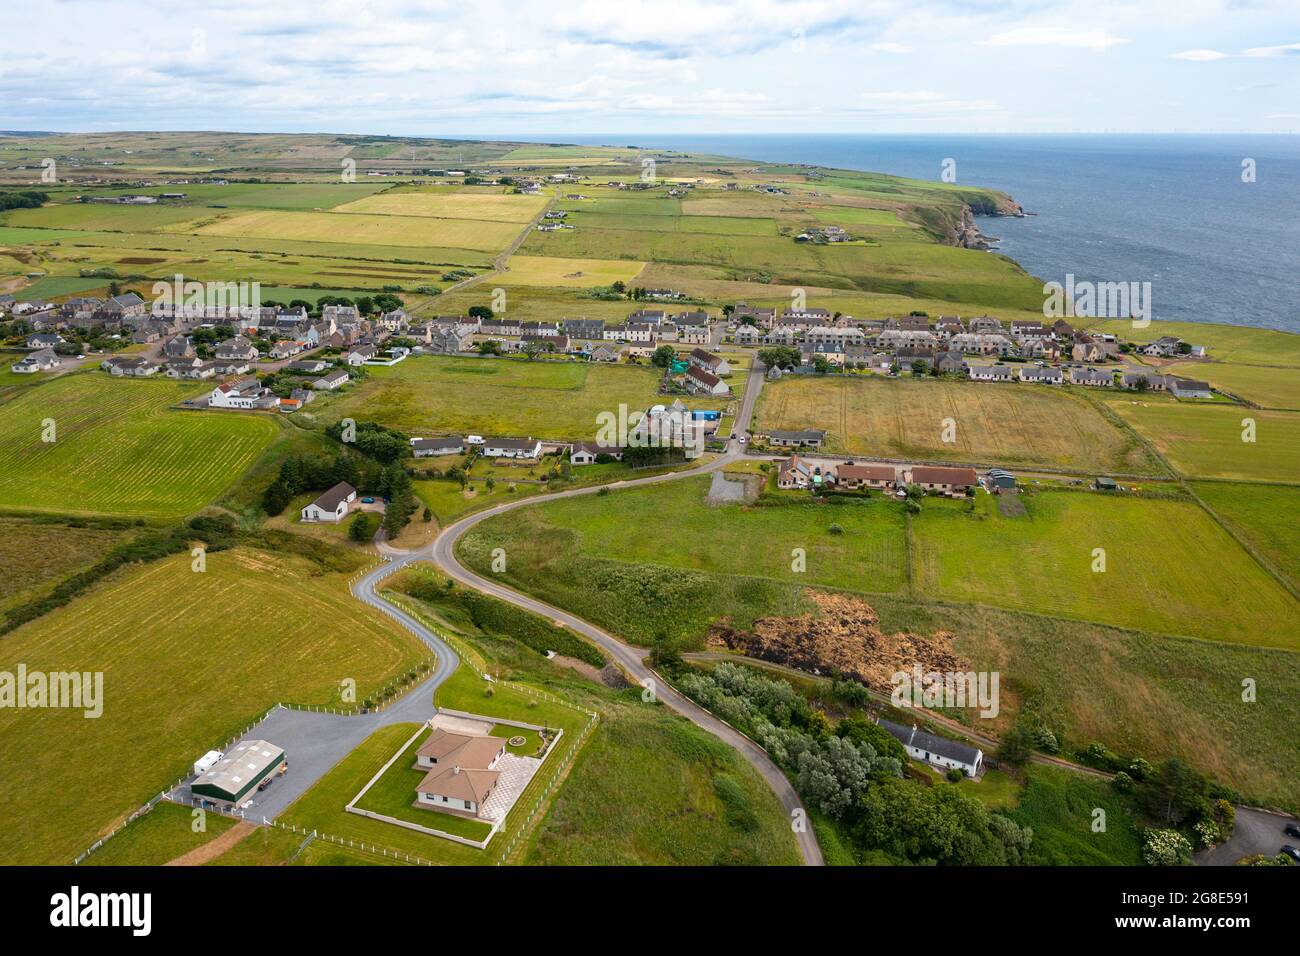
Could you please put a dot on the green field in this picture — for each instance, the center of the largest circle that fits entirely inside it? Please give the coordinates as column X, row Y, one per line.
column 1012, row 425
column 1156, row 557
column 1264, row 515
column 1265, row 386
column 119, row 449
column 62, row 550
column 1205, row 441
column 161, row 835
column 1226, row 343
column 188, row 660
column 497, row 397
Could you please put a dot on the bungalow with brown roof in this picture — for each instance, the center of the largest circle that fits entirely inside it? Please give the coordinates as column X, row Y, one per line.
column 461, row 769
column 944, row 480
column 851, row 477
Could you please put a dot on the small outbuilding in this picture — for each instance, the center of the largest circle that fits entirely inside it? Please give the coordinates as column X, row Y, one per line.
column 241, row 772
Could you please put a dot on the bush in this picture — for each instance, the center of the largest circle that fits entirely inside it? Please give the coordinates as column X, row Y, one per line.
column 1122, row 783
column 1166, row 848
column 835, row 529
column 955, row 775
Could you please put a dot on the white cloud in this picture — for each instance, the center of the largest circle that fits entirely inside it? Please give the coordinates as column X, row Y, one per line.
column 1291, row 49
column 891, row 48
column 1198, row 56
column 1098, row 40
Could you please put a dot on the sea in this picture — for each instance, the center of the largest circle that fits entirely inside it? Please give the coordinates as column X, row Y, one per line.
column 1211, row 221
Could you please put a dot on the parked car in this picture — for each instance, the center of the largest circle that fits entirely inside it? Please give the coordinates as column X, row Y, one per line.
column 367, row 501
column 1292, row 830
column 1292, row 852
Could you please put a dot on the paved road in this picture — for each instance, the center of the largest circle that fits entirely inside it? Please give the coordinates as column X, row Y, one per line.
column 442, row 554
column 1256, row 831
column 316, row 742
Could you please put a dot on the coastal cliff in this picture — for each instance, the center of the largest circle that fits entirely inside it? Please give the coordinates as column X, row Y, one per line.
column 966, row 232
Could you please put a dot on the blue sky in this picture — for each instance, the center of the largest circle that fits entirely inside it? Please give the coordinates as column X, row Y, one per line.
column 426, row 67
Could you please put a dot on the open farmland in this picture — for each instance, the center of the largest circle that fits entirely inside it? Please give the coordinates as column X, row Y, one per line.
column 1205, row 441
column 1263, row 515
column 119, row 449
column 1266, row 386
column 575, row 273
column 35, row 554
column 1012, row 425
column 444, row 205
column 1154, row 577
column 1227, row 343
column 188, row 659
column 362, row 230
column 505, row 397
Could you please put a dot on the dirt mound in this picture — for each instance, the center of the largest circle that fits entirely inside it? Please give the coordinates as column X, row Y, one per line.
column 844, row 635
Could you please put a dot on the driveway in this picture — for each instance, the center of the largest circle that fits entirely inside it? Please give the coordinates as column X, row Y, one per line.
column 315, row 742
column 1256, row 832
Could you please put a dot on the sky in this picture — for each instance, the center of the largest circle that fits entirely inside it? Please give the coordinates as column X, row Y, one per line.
column 430, row 68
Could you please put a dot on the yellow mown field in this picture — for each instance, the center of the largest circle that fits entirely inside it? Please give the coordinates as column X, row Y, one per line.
column 488, row 208
column 577, row 273
column 369, row 230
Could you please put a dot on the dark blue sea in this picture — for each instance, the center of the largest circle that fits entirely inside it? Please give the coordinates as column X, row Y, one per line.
column 1169, row 209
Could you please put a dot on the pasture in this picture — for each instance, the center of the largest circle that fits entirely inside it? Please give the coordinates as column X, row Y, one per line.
column 1154, row 577
column 1266, row 386
column 1262, row 514
column 1010, row 425
column 1227, row 343
column 1205, row 441
column 188, row 659
column 496, row 397
column 443, row 205
column 117, row 448
column 363, row 230
column 36, row 554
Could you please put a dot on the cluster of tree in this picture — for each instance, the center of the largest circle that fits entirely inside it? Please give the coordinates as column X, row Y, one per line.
column 22, row 199
column 384, row 445
column 365, row 304
column 395, row 485
column 299, row 473
column 780, row 356
column 853, row 773
column 664, row 356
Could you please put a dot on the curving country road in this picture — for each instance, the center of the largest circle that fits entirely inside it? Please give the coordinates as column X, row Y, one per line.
column 442, row 553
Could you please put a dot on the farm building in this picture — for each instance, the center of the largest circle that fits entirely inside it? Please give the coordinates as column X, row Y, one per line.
column 237, row 775
column 939, row 751
column 331, row 506
column 1187, row 388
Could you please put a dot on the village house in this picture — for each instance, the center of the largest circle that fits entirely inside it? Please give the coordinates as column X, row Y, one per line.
column 360, row 355
column 332, row 380
column 1154, row 380
column 807, row 438
column 796, row 472
column 1188, row 388
column 1162, row 347
column 943, row 480
column 134, row 367
column 606, row 353
column 1043, row 375
column 436, row 447
column 1092, row 377
column 991, row 373
column 692, row 328
column 938, row 751
column 851, row 477
column 710, row 362
column 286, row 348
column 584, row 328
column 41, row 360
column 701, row 382
column 585, row 452
column 306, row 366
column 237, row 348
column 245, row 393
column 984, row 323
column 44, row 340
column 332, row 505
column 512, row 448
column 462, row 772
